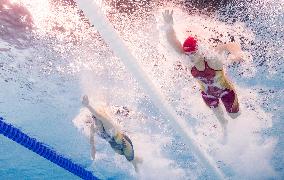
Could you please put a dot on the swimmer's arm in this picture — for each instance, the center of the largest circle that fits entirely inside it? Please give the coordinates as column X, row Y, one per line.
column 170, row 32
column 92, row 110
column 104, row 119
column 86, row 103
column 229, row 47
column 92, row 141
column 172, row 39
column 233, row 48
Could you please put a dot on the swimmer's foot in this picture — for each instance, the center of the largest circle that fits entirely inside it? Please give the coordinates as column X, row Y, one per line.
column 224, row 138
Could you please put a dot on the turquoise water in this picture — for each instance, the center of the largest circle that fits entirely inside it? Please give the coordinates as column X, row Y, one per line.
column 44, row 73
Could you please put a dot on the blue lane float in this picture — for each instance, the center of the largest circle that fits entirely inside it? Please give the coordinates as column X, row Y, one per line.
column 39, row 148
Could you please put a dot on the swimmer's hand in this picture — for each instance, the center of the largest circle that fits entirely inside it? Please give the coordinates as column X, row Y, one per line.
column 168, row 17
column 85, row 100
column 235, row 50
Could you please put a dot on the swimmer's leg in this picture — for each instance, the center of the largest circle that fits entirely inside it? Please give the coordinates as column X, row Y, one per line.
column 123, row 146
column 92, row 141
column 213, row 103
column 231, row 103
column 223, row 121
column 220, row 116
column 128, row 151
column 135, row 162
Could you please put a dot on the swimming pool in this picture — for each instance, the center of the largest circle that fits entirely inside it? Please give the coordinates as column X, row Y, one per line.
column 48, row 66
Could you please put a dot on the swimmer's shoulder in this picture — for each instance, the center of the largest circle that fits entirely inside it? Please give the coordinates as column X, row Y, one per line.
column 216, row 65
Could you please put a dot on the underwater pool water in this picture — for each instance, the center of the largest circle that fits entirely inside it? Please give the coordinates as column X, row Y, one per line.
column 50, row 57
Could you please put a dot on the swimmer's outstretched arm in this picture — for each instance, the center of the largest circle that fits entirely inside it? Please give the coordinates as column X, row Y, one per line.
column 233, row 48
column 135, row 162
column 85, row 102
column 170, row 32
column 108, row 125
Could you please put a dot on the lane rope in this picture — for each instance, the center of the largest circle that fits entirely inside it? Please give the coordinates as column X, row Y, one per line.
column 43, row 150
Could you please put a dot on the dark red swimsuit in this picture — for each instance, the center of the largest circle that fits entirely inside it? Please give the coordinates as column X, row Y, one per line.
column 212, row 92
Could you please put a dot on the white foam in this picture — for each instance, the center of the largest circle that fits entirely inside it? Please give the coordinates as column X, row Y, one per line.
column 247, row 152
column 244, row 138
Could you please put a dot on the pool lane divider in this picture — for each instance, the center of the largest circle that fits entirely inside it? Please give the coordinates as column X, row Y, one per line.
column 39, row 148
column 97, row 18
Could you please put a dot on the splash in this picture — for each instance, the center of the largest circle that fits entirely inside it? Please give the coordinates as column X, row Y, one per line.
column 70, row 47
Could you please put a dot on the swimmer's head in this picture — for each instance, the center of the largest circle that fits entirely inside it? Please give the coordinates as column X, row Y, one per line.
column 191, row 49
column 190, row 45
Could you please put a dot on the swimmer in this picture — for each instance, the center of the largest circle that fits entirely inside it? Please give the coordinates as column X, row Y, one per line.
column 207, row 67
column 103, row 126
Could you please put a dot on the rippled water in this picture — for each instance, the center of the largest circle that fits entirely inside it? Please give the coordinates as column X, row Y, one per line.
column 50, row 56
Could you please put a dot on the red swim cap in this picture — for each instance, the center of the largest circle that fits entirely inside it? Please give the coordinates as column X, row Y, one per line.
column 190, row 44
